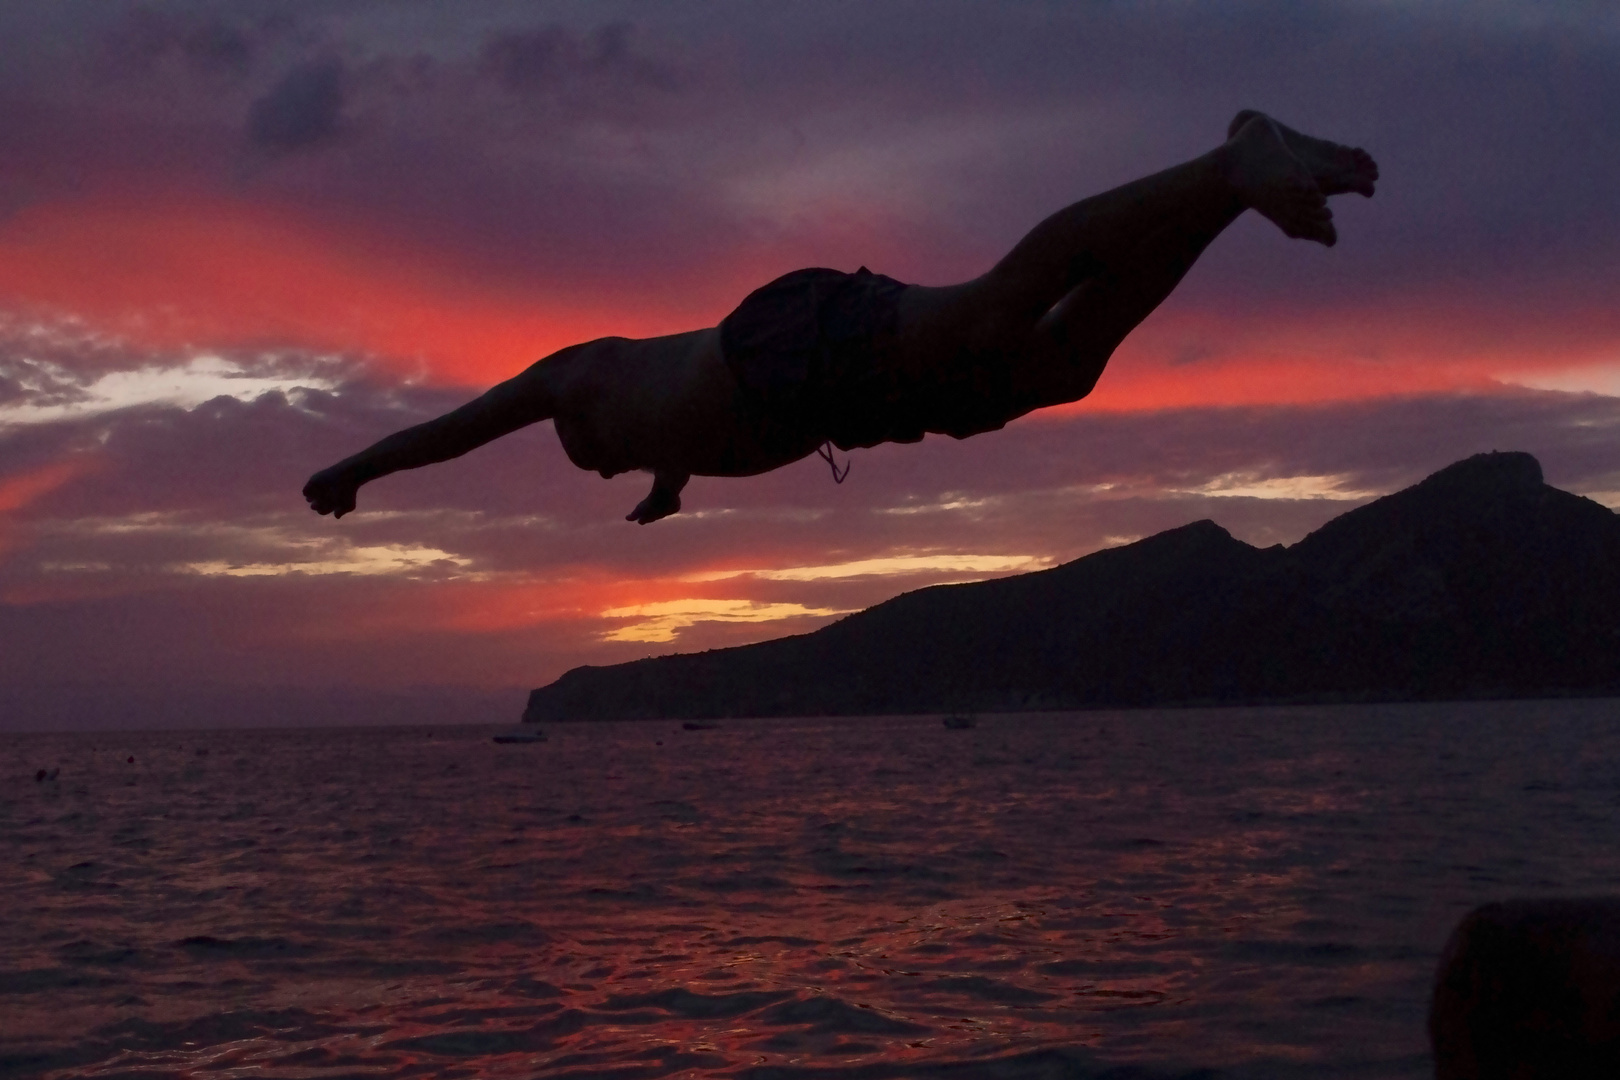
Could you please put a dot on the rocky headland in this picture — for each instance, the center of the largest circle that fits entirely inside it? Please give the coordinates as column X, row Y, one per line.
column 1481, row 581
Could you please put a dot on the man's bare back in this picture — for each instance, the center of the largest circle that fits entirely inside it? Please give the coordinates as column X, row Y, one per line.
column 1035, row 330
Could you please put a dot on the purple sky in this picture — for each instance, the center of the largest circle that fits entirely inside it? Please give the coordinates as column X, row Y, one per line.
column 239, row 241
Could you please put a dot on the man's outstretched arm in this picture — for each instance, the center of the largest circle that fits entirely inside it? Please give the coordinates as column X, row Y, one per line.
column 516, row 403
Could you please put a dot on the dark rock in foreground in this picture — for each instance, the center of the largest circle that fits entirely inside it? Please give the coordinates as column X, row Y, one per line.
column 1530, row 989
column 1481, row 581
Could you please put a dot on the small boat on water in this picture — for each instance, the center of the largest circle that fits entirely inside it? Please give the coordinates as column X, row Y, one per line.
column 961, row 722
column 521, row 735
column 692, row 725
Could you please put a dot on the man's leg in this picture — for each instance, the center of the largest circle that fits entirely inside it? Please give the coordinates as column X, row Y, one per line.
column 1060, row 302
column 1263, row 165
column 1083, row 329
column 1072, row 343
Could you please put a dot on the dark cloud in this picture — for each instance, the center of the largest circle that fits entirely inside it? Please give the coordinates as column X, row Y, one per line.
column 1495, row 137
column 558, row 149
column 303, row 110
column 25, row 381
column 204, row 44
column 554, row 59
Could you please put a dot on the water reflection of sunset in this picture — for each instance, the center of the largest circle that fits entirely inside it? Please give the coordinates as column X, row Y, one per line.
column 1227, row 889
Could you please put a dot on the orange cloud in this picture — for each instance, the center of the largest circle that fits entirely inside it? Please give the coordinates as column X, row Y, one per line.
column 18, row 490
column 1270, row 380
column 21, row 489
column 206, row 271
column 1310, row 358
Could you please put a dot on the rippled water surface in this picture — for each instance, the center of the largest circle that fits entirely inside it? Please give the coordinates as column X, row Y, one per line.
column 1253, row 893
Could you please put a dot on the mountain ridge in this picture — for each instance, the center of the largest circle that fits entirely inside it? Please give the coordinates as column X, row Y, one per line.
column 1479, row 581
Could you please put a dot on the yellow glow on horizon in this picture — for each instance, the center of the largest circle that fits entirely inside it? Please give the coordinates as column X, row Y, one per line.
column 890, row 565
column 1253, row 486
column 1600, row 378
column 661, row 621
column 378, row 559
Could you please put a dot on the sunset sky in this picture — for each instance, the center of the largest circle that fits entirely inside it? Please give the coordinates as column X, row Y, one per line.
column 241, row 240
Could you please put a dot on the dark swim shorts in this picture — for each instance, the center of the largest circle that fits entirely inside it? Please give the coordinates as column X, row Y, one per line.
column 810, row 348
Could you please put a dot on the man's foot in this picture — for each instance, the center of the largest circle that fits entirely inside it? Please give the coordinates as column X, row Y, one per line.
column 1268, row 177
column 659, row 504
column 1337, row 169
column 331, row 491
column 663, row 500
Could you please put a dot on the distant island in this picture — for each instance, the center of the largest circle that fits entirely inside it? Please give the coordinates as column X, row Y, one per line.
column 1480, row 582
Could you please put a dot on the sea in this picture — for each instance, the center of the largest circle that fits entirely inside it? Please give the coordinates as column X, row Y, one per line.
column 1244, row 893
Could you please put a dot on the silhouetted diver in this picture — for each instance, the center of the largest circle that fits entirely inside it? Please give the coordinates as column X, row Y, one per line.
column 820, row 356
